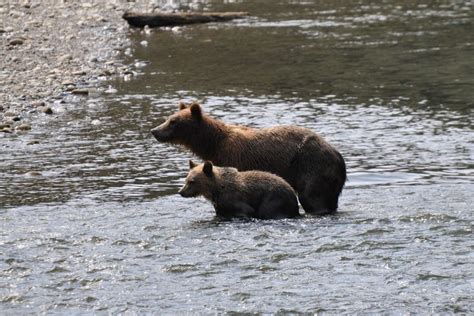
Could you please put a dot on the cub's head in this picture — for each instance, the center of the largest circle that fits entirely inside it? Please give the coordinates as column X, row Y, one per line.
column 181, row 125
column 200, row 180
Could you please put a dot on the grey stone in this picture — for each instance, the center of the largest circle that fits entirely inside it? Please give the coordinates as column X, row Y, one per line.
column 16, row 41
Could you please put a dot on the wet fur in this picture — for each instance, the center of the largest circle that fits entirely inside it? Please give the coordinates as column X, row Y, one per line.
column 306, row 161
column 246, row 194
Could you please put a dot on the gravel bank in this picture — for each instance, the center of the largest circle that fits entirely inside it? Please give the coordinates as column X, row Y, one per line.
column 55, row 51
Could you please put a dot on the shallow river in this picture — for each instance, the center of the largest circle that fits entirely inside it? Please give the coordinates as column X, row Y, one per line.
column 90, row 218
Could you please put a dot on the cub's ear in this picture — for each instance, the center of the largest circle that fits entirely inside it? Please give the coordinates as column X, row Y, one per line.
column 192, row 164
column 196, row 110
column 207, row 169
column 182, row 106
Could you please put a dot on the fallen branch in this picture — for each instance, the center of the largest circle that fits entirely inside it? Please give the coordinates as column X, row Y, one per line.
column 160, row 19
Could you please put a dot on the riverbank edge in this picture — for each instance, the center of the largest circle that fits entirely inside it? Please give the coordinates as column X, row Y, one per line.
column 52, row 56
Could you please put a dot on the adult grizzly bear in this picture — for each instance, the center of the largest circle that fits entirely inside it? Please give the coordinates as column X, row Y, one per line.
column 245, row 194
column 305, row 160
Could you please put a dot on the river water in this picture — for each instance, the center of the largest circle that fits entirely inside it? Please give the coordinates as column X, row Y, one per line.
column 90, row 218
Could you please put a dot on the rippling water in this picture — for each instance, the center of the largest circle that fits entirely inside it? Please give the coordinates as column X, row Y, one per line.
column 91, row 220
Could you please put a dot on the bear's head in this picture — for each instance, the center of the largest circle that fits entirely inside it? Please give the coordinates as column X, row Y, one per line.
column 200, row 180
column 181, row 125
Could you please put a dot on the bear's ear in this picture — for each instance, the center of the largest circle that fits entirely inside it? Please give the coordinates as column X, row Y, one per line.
column 192, row 164
column 182, row 106
column 207, row 169
column 196, row 110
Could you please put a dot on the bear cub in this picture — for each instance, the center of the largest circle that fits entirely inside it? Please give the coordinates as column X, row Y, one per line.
column 255, row 194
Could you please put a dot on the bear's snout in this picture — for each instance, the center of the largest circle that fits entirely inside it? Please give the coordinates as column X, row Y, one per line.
column 155, row 132
column 186, row 191
column 160, row 133
column 182, row 192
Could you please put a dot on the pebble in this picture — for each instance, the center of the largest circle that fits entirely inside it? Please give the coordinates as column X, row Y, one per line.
column 68, row 83
column 6, row 130
column 16, row 41
column 128, row 72
column 106, row 72
column 17, row 14
column 127, row 77
column 33, row 142
column 46, row 110
column 140, row 64
column 64, row 58
column 147, row 30
column 33, row 24
column 110, row 90
column 38, row 104
column 80, row 91
column 9, row 113
column 23, row 127
column 79, row 73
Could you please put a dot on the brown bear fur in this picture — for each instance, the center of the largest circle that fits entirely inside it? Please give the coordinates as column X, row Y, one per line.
column 305, row 160
column 246, row 194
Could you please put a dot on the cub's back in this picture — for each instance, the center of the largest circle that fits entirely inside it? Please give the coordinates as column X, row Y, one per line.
column 264, row 181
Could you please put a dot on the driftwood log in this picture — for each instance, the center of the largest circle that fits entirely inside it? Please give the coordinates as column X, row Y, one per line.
column 160, row 19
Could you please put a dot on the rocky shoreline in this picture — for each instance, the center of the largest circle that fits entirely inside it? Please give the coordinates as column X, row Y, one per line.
column 54, row 51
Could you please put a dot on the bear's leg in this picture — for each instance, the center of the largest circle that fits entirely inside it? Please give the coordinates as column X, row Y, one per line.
column 242, row 209
column 276, row 206
column 231, row 209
